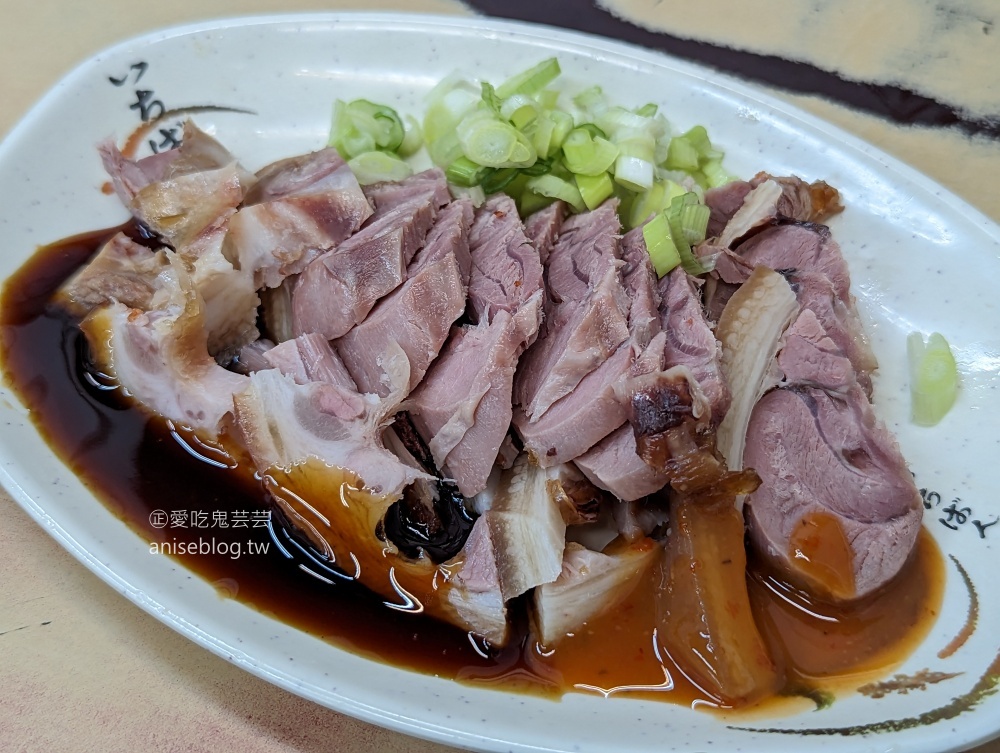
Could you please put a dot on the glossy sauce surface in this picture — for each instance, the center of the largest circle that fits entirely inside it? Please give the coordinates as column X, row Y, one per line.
column 136, row 465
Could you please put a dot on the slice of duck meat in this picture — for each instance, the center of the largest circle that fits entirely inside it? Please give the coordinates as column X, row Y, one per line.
column 581, row 419
column 578, row 337
column 338, row 289
column 639, row 280
column 160, row 357
column 839, row 320
column 590, row 584
column 586, row 248
column 506, row 269
column 544, row 226
column 799, row 247
column 122, row 270
column 690, row 340
column 614, row 464
column 299, row 208
column 310, row 358
column 837, row 509
column 463, row 406
column 418, row 315
column 198, row 153
column 808, row 202
column 384, row 196
column 810, row 358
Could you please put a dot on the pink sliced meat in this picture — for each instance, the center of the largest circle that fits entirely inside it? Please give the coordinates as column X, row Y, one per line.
column 417, row 316
column 613, row 464
column 299, row 208
column 544, row 226
column 338, row 289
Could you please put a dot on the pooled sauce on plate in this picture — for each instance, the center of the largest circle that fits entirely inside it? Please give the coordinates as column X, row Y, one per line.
column 137, row 465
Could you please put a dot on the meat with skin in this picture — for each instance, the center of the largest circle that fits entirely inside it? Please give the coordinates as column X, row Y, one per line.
column 283, row 423
column 160, row 357
column 690, row 340
column 418, row 315
column 837, row 508
column 299, row 208
column 338, row 289
column 807, row 202
column 384, row 196
column 122, row 270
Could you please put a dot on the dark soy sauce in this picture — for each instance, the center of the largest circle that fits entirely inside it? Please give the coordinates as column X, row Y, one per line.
column 136, row 465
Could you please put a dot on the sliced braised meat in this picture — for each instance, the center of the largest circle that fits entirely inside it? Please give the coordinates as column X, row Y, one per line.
column 251, row 357
column 837, row 508
column 122, row 270
column 299, row 208
column 809, row 358
column 283, row 423
column 586, row 248
column 418, row 315
column 463, row 406
column 309, row 358
column 839, row 320
column 338, row 289
column 384, row 196
column 229, row 293
column 474, row 591
column 161, row 359
column 582, row 418
column 690, row 341
column 544, row 226
column 807, row 202
column 801, row 247
column 577, row 498
column 198, row 153
column 639, row 281
column 506, row 270
column 613, row 464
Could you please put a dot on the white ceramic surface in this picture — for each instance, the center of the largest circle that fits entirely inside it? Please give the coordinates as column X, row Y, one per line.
column 920, row 259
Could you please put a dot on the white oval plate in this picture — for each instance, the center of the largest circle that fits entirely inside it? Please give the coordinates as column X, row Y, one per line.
column 920, row 259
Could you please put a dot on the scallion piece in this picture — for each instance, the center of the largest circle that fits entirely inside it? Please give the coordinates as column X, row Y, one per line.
column 678, row 208
column 933, row 378
column 413, row 137
column 715, row 174
column 376, row 167
column 557, row 188
column 530, row 81
column 498, row 180
column 465, row 172
column 589, row 155
column 362, row 126
column 594, row 189
column 660, row 245
column 648, row 110
column 681, row 155
column 493, row 143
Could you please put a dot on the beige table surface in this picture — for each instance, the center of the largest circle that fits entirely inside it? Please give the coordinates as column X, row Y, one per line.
column 82, row 669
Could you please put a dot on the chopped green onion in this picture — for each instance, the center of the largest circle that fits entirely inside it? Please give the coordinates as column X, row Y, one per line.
column 376, row 167
column 693, row 221
column 933, row 378
column 682, row 155
column 465, row 172
column 589, row 99
column 548, row 99
column 498, row 180
column 362, row 126
column 646, row 204
column 634, row 173
column 589, row 155
column 680, row 233
column 557, row 188
column 530, row 81
column 648, row 110
column 562, row 125
column 715, row 174
column 413, row 138
column 493, row 143
column 594, row 189
column 660, row 245
column 490, row 97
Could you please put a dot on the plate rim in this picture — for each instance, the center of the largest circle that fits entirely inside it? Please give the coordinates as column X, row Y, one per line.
column 591, row 43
